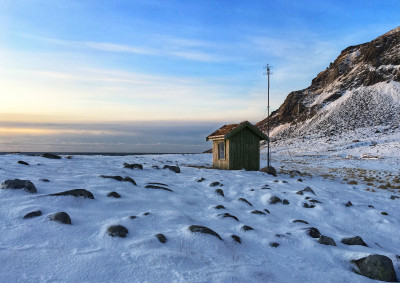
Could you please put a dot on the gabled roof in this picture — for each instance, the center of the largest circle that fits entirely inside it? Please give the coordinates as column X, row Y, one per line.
column 226, row 131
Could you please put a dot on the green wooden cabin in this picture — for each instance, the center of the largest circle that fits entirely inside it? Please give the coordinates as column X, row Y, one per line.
column 237, row 146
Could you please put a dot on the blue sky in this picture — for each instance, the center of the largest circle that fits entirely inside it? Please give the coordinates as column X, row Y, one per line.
column 186, row 66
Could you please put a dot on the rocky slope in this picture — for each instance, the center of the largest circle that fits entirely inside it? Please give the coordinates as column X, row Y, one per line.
column 361, row 88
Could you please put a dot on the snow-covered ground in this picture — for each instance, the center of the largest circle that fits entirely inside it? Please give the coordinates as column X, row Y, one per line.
column 40, row 250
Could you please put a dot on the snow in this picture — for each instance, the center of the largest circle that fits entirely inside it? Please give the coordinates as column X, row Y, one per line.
column 39, row 250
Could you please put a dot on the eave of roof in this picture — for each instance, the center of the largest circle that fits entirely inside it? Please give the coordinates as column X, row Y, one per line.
column 226, row 131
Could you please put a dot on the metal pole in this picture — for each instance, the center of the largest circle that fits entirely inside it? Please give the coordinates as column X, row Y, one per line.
column 268, row 150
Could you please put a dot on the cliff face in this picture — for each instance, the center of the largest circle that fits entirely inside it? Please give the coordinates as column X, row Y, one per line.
column 360, row 88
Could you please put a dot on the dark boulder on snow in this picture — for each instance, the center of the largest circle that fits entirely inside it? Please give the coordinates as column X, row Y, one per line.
column 245, row 201
column 117, row 231
column 258, row 212
column 61, row 217
column 45, row 180
column 307, row 190
column 19, row 184
column 348, row 204
column 236, row 239
column 133, row 166
column 274, row 200
column 204, row 230
column 378, row 267
column 157, row 188
column 200, row 180
column 285, row 202
column 23, row 163
column 161, row 238
column 313, row 232
column 246, row 228
column 215, row 184
column 33, row 214
column 51, row 156
column 117, row 178
column 274, row 244
column 175, row 169
column 75, row 193
column 225, row 215
column 129, row 179
column 269, row 170
column 113, row 195
column 325, row 240
column 306, row 205
column 354, row 241
column 300, row 221
column 159, row 184
column 220, row 206
column 220, row 192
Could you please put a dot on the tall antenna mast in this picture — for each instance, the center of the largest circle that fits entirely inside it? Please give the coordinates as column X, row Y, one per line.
column 268, row 72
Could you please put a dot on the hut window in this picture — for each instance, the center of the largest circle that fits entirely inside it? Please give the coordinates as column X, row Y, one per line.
column 221, row 150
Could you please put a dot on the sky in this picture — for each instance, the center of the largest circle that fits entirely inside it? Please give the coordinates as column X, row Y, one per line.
column 160, row 75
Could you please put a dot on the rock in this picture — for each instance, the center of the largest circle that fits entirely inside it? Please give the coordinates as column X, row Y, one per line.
column 224, row 215
column 220, row 192
column 285, row 182
column 19, row 184
column 215, row 184
column 61, row 217
column 257, row 212
column 357, row 240
column 157, row 188
column 33, row 214
column 220, row 206
column 246, row 228
column 159, row 184
column 306, row 205
column 118, row 178
column 274, row 200
column 348, row 204
column 176, row 169
column 393, row 197
column 325, row 240
column 245, row 200
column 236, row 238
column 76, row 193
column 132, row 217
column 299, row 180
column 161, row 238
column 23, row 162
column 113, row 195
column 300, row 221
column 306, row 189
column 200, row 180
column 51, row 156
column 285, row 201
column 269, row 170
column 204, row 230
column 133, row 166
column 313, row 232
column 384, row 213
column 378, row 267
column 45, row 180
column 129, row 179
column 146, row 213
column 314, row 201
column 117, row 231
column 155, row 167
column 274, row 244
column 371, row 206
column 267, row 211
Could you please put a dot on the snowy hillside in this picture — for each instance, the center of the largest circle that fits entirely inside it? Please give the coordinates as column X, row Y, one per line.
column 278, row 249
column 360, row 89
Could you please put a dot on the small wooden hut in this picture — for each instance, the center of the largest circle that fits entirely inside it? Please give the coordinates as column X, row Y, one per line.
column 237, row 146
